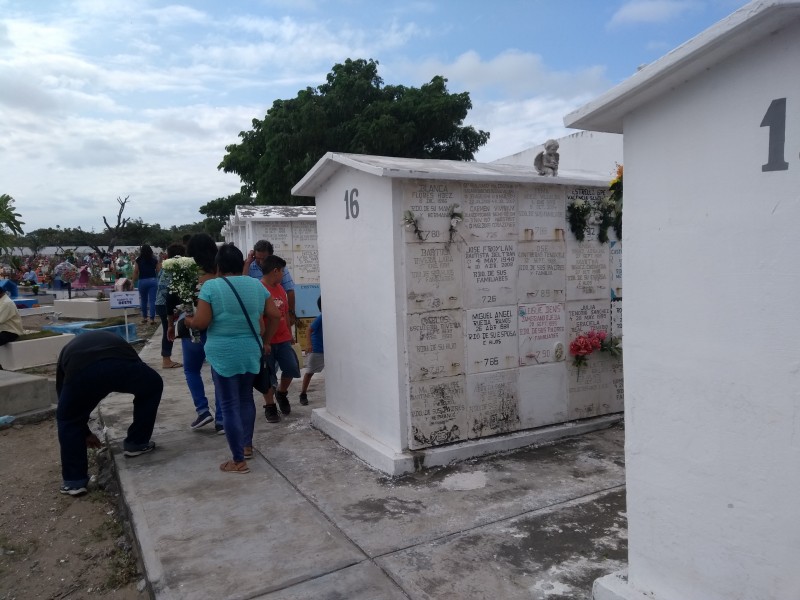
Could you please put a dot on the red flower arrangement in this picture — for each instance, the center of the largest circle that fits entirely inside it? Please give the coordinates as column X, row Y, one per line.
column 583, row 345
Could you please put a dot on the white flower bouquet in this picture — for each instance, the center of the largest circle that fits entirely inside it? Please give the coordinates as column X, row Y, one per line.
column 184, row 274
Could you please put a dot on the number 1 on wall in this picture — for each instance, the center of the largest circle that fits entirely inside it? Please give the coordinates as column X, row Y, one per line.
column 775, row 119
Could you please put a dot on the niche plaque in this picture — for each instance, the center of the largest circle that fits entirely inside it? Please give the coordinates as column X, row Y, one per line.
column 615, row 269
column 492, row 403
column 490, row 211
column 435, row 345
column 305, row 255
column 616, row 318
column 587, row 270
column 542, row 395
column 541, row 272
column 490, row 273
column 277, row 233
column 542, row 330
column 438, row 412
column 542, row 212
column 434, row 276
column 583, row 316
column 491, row 339
column 431, row 203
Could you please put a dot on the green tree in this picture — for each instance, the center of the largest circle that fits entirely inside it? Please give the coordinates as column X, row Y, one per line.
column 217, row 211
column 352, row 112
column 10, row 225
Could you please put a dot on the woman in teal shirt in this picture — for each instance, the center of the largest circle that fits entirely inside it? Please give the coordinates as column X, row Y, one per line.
column 231, row 348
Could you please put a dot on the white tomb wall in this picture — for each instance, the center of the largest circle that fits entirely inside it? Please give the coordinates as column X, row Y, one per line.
column 365, row 342
column 713, row 432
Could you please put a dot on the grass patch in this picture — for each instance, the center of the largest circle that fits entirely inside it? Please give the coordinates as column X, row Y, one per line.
column 18, row 548
column 121, row 561
column 123, row 570
column 110, row 322
column 44, row 333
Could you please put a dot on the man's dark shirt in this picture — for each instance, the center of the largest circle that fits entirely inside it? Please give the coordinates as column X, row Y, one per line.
column 88, row 348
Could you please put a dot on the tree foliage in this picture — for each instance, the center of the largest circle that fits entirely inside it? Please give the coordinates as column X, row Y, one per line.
column 10, row 225
column 353, row 111
column 136, row 233
column 123, row 231
column 217, row 211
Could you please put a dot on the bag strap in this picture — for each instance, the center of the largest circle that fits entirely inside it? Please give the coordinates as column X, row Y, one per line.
column 246, row 316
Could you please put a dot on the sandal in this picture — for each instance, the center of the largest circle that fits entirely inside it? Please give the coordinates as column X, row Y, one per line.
column 173, row 365
column 230, row 466
column 248, row 452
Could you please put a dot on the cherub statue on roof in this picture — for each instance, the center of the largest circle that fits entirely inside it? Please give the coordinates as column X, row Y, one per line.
column 546, row 162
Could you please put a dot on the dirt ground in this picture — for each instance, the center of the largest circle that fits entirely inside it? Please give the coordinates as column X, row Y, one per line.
column 53, row 546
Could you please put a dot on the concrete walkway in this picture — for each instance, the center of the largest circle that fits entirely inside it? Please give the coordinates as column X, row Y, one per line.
column 312, row 521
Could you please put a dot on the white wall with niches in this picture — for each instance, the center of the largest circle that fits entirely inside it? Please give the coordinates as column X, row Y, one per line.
column 712, row 199
column 435, row 339
column 292, row 231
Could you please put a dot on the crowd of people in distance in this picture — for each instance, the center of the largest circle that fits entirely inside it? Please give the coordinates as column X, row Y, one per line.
column 69, row 267
column 244, row 309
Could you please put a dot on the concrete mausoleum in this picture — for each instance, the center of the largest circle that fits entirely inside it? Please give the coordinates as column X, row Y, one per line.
column 712, row 202
column 292, row 231
column 452, row 292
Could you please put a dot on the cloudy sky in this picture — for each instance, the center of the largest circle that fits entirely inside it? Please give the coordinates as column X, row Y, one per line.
column 102, row 99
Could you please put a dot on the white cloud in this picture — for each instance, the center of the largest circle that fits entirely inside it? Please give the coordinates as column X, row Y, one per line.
column 113, row 99
column 166, row 160
column 650, row 11
column 514, row 73
column 18, row 94
column 519, row 125
column 176, row 16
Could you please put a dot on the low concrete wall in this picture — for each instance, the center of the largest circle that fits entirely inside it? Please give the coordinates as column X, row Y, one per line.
column 32, row 353
column 21, row 393
column 90, row 308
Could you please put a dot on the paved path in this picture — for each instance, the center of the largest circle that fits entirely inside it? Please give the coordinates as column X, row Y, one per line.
column 313, row 521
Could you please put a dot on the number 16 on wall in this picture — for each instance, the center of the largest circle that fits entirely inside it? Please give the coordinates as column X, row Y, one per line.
column 351, row 204
column 775, row 119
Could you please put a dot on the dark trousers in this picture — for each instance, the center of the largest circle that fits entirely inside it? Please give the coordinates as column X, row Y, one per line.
column 7, row 336
column 83, row 393
column 166, row 345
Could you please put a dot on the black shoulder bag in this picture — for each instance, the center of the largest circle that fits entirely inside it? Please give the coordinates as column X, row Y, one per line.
column 262, row 381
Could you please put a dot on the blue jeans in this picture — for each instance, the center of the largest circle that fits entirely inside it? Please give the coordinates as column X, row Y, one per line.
column 194, row 355
column 83, row 392
column 147, row 296
column 238, row 410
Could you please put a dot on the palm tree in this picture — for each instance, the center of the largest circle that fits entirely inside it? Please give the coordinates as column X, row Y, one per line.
column 10, row 225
